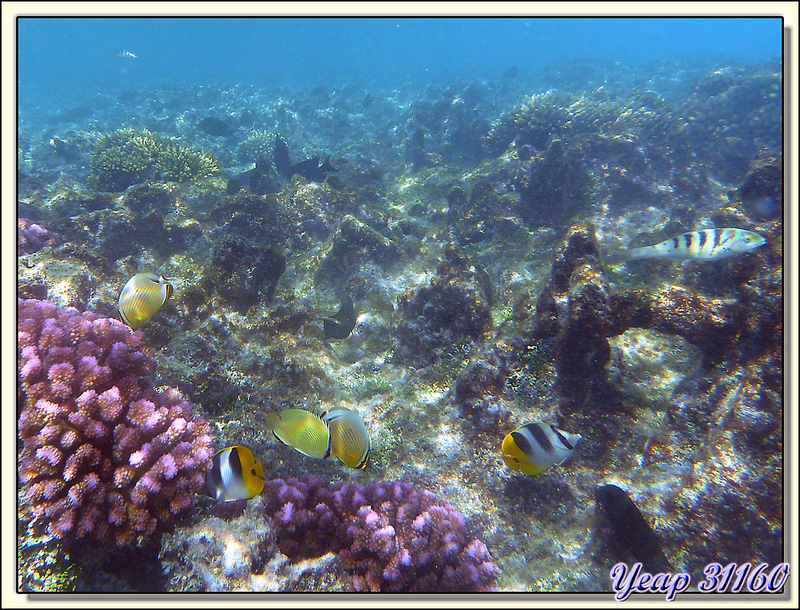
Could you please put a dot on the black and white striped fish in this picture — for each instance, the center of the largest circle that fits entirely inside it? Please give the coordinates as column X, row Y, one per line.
column 533, row 448
column 123, row 54
column 706, row 244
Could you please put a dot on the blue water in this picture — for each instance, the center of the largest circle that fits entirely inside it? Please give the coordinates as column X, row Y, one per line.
column 70, row 58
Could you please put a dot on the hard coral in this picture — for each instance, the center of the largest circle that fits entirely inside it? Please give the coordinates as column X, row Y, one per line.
column 104, row 455
column 32, row 237
column 130, row 156
column 393, row 536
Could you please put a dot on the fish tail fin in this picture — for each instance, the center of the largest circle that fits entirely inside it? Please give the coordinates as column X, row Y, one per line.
column 617, row 257
column 273, row 421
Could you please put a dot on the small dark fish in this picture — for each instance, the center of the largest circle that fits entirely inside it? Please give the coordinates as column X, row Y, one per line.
column 241, row 181
column 631, row 529
column 257, row 180
column 368, row 99
column 280, row 156
column 342, row 324
column 511, row 72
column 313, row 170
column 216, row 127
column 125, row 55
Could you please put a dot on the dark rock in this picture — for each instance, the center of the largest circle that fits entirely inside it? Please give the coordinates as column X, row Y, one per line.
column 239, row 270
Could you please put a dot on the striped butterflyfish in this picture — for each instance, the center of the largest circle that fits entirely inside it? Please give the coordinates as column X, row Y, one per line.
column 706, row 244
column 235, row 475
column 533, row 448
column 349, row 439
column 142, row 297
column 302, row 430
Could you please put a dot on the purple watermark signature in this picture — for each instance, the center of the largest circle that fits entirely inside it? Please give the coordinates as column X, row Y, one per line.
column 733, row 578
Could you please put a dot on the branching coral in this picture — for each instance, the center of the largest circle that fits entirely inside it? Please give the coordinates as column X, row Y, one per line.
column 104, row 455
column 130, row 156
column 394, row 537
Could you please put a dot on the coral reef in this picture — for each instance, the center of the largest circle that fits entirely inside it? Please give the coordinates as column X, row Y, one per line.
column 130, row 156
column 488, row 295
column 554, row 188
column 451, row 312
column 104, row 455
column 392, row 536
column 239, row 270
column 761, row 191
column 224, row 552
column 32, row 237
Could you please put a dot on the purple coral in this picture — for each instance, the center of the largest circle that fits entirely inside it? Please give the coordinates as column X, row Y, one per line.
column 32, row 237
column 103, row 455
column 393, row 536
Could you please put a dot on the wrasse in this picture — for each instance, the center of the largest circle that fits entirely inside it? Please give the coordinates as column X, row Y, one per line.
column 125, row 55
column 707, row 244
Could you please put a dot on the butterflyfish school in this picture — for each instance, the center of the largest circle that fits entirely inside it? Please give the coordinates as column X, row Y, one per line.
column 349, row 439
column 235, row 475
column 142, row 297
column 708, row 244
column 302, row 430
column 533, row 448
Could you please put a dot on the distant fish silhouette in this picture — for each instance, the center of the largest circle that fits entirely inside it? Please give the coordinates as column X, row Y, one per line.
column 342, row 324
column 367, row 100
column 258, row 180
column 280, row 156
column 125, row 55
column 512, row 72
column 216, row 127
column 313, row 170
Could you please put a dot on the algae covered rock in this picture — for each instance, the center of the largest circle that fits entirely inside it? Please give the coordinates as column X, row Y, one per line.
column 240, row 269
column 451, row 312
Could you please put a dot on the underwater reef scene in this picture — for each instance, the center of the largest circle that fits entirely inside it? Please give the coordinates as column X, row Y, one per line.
column 533, row 324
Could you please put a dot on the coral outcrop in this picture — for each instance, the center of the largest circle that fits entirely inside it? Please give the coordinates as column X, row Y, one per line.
column 392, row 536
column 103, row 454
column 239, row 270
column 451, row 312
column 32, row 237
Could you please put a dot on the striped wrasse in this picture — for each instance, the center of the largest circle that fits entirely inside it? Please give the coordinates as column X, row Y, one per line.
column 706, row 244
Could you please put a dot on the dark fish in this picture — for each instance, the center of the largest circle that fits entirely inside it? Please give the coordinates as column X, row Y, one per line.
column 342, row 324
column 215, row 127
column 313, row 170
column 631, row 530
column 241, row 181
column 257, row 180
column 511, row 72
column 367, row 100
column 280, row 156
